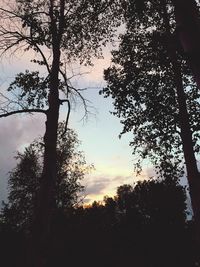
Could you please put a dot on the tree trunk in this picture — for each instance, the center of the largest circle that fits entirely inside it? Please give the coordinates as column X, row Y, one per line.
column 188, row 29
column 45, row 205
column 190, row 160
column 46, row 200
column 186, row 134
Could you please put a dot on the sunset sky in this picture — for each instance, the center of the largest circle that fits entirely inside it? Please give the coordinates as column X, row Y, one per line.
column 110, row 155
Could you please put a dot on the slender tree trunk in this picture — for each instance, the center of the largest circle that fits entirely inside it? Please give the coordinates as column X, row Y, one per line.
column 186, row 134
column 188, row 29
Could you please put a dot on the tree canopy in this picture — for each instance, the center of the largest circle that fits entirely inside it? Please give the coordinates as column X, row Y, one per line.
column 142, row 84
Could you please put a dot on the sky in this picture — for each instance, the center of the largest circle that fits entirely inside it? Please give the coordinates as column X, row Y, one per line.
column 112, row 157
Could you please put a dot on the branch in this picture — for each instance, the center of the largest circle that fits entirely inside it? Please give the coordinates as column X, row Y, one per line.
column 196, row 128
column 14, row 14
column 65, row 81
column 68, row 114
column 61, row 101
column 61, row 19
column 14, row 38
column 42, row 55
column 23, row 111
column 53, row 24
column 11, row 13
column 70, row 88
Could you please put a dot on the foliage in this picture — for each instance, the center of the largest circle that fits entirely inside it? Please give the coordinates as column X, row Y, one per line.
column 142, row 85
column 80, row 37
column 31, row 89
column 24, row 180
column 154, row 201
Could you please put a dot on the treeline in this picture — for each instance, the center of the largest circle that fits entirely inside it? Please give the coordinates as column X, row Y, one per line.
column 143, row 225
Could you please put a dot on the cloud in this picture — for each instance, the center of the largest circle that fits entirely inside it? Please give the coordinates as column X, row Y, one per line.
column 16, row 132
column 106, row 179
column 98, row 186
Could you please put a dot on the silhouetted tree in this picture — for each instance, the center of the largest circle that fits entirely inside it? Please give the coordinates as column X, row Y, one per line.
column 24, row 180
column 154, row 92
column 161, row 201
column 153, row 223
column 58, row 32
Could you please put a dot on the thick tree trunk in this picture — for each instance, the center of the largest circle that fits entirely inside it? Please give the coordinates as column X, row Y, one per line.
column 188, row 30
column 186, row 134
column 45, row 205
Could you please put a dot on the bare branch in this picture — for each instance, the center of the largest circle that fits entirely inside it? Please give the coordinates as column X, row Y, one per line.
column 11, row 13
column 23, row 111
column 12, row 38
column 77, row 91
column 67, row 118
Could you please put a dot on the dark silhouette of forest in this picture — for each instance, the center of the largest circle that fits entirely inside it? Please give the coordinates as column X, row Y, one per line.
column 143, row 225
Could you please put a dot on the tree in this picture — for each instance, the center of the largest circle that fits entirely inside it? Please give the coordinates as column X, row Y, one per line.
column 187, row 23
column 24, row 179
column 58, row 32
column 153, row 218
column 155, row 205
column 154, row 92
